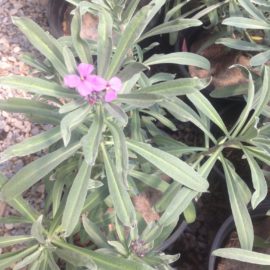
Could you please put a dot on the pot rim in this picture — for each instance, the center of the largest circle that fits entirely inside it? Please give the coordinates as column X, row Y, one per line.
column 228, row 226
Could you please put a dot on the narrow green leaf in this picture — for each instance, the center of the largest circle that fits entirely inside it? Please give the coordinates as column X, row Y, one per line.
column 139, row 99
column 155, row 7
column 241, row 45
column 252, row 10
column 178, row 204
column 14, row 220
column 264, row 97
column 175, row 11
column 260, row 59
column 183, row 113
column 179, row 58
column 240, row 212
column 242, row 255
column 120, row 150
column 258, row 180
column 131, row 70
column 151, row 180
column 206, row 168
column 176, row 87
column 81, row 46
column 31, row 108
column 8, row 259
column 33, row 62
column 51, row 261
column 37, row 264
column 172, row 166
column 71, row 106
column 162, row 119
column 69, row 59
column 37, row 230
column 94, row 233
column 165, row 200
column 104, row 262
column 135, row 126
column 230, row 91
column 204, row 105
column 42, row 41
column 28, row 213
column 32, row 145
column 262, row 2
column 71, row 121
column 63, row 175
column 190, row 213
column 117, row 113
column 76, row 259
column 210, row 10
column 95, row 198
column 171, row 26
column 259, row 154
column 91, row 141
column 246, row 23
column 119, row 247
column 104, row 46
column 129, row 10
column 28, row 259
column 36, row 170
column 37, row 86
column 128, row 39
column 24, row 208
column 76, row 199
column 120, row 197
column 6, row 241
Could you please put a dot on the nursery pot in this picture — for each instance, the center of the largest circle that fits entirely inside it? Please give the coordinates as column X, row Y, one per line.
column 228, row 227
column 221, row 58
column 56, row 13
column 180, row 228
column 59, row 18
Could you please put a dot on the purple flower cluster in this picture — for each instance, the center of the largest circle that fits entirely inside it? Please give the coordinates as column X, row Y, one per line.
column 93, row 87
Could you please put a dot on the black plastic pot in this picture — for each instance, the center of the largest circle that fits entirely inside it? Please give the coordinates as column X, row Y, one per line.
column 56, row 13
column 185, row 41
column 57, row 10
column 182, row 225
column 228, row 227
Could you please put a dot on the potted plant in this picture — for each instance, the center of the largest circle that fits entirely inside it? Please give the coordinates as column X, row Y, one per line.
column 226, row 236
column 234, row 33
column 116, row 183
column 100, row 163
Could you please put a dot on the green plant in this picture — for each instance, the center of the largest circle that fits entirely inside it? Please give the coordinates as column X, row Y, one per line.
column 103, row 154
column 99, row 158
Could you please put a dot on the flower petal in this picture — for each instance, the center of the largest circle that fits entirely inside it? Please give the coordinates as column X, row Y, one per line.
column 72, row 81
column 110, row 95
column 115, row 83
column 98, row 83
column 85, row 69
column 84, row 89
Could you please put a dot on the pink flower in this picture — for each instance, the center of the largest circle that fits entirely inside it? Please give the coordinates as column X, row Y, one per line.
column 84, row 82
column 114, row 85
column 93, row 87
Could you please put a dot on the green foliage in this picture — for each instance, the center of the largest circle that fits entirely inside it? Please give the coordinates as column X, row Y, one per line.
column 101, row 157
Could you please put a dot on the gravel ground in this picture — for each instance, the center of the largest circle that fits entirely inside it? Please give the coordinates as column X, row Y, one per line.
column 15, row 127
column 13, row 44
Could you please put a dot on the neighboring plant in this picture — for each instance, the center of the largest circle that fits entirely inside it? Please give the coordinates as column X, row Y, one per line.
column 242, row 25
column 105, row 152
